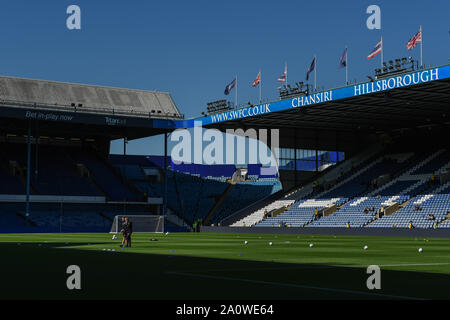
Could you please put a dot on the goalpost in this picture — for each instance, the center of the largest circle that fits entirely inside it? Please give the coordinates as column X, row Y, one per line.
column 141, row 224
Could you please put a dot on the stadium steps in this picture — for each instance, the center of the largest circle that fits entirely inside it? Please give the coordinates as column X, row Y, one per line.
column 254, row 213
column 342, row 171
column 445, row 167
column 305, row 191
column 277, row 212
column 326, row 212
column 349, row 178
column 389, row 212
column 370, row 222
column 219, row 202
column 258, row 215
column 447, row 218
column 101, row 214
column 31, row 223
column 406, row 175
column 177, row 192
column 95, row 184
column 252, row 208
column 89, row 177
column 170, row 207
column 22, row 177
column 119, row 176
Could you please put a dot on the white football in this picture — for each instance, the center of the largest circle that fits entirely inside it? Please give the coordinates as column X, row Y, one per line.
column 245, row 242
column 420, row 249
column 366, row 247
column 114, row 237
column 311, row 245
column 270, row 243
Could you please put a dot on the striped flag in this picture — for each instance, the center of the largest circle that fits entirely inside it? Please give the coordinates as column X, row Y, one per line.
column 414, row 40
column 283, row 77
column 257, row 80
column 378, row 48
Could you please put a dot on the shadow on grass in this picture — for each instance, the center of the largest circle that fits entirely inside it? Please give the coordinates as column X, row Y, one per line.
column 31, row 271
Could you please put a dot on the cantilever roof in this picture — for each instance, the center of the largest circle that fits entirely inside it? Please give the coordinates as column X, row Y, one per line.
column 61, row 96
column 403, row 101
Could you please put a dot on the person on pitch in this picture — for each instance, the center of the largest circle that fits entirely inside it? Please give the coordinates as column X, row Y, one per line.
column 122, row 231
column 128, row 232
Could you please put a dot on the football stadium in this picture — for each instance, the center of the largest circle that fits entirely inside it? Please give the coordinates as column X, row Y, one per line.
column 361, row 182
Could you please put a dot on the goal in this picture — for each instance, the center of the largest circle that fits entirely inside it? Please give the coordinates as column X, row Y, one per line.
column 153, row 224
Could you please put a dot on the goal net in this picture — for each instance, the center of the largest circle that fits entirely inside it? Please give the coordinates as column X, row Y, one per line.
column 153, row 224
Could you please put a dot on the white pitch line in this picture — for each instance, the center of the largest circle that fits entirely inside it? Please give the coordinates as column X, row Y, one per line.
column 294, row 285
column 312, row 266
column 415, row 264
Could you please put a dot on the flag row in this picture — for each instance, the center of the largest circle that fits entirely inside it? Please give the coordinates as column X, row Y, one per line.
column 343, row 62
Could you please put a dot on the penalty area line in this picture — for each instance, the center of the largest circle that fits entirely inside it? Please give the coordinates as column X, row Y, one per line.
column 312, row 266
column 292, row 285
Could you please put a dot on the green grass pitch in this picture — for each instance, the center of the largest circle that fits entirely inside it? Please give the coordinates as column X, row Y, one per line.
column 222, row 266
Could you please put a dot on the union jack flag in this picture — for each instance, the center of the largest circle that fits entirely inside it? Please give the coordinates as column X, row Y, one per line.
column 414, row 40
column 257, row 80
column 376, row 50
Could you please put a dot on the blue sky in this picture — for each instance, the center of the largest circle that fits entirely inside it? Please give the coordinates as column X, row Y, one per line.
column 192, row 49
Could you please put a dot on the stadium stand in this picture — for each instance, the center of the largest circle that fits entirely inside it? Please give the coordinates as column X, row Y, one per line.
column 10, row 184
column 423, row 211
column 243, row 194
column 64, row 131
column 110, row 183
column 300, row 214
column 193, row 193
column 58, row 173
column 63, row 217
column 258, row 215
column 366, row 195
column 51, row 95
column 354, row 214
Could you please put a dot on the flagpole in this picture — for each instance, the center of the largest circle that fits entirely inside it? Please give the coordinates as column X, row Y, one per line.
column 421, row 47
column 346, row 65
column 236, row 93
column 260, row 85
column 315, row 74
column 285, row 70
column 382, row 50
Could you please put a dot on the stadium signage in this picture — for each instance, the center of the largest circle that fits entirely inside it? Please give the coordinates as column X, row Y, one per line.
column 311, row 99
column 333, row 95
column 47, row 116
column 115, row 122
column 241, row 113
column 397, row 82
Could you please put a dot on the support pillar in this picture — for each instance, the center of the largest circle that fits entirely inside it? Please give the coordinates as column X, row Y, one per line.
column 165, row 175
column 27, row 205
